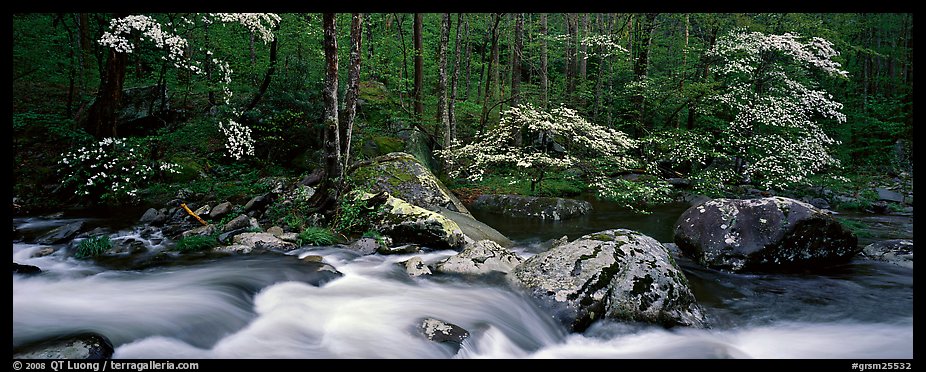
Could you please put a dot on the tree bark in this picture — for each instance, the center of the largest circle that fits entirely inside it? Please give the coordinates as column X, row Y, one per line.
column 353, row 87
column 101, row 117
column 489, row 73
column 419, row 66
column 516, row 59
column 640, row 67
column 583, row 49
column 469, row 52
column 451, row 108
column 333, row 169
column 571, row 30
column 544, row 78
column 267, row 76
column 442, row 115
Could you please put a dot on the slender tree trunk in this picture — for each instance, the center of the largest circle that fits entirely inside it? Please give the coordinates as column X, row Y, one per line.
column 467, row 58
column 544, row 78
column 583, row 49
column 681, row 84
column 692, row 106
column 101, row 117
column 571, row 30
column 333, row 169
column 404, row 55
column 640, row 66
column 451, row 108
column 516, row 59
column 442, row 111
column 267, row 76
column 353, row 86
column 419, row 67
column 489, row 73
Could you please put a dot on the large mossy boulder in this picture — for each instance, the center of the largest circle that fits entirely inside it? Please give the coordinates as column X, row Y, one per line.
column 410, row 224
column 545, row 208
column 404, row 177
column 617, row 274
column 762, row 234
column 473, row 229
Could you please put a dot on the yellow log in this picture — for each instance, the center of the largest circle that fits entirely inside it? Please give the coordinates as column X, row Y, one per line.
column 187, row 209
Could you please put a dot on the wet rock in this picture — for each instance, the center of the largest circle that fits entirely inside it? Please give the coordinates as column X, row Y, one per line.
column 25, row 269
column 545, row 208
column 82, row 346
column 474, row 230
column 153, row 217
column 257, row 203
column 44, row 251
column 401, row 249
column 313, row 178
column 416, row 267
column 313, row 258
column 679, row 183
column 240, row 222
column 233, row 249
column 693, row 199
column 366, row 246
column 442, row 332
column 820, row 203
column 61, row 234
column 263, row 241
column 203, row 211
column 226, row 237
column 896, row 251
column 673, row 249
column 199, row 231
column 617, row 274
column 404, row 177
column 221, row 210
column 479, row 258
column 407, row 223
column 126, row 247
column 275, row 231
column 289, row 237
column 888, row 195
column 762, row 234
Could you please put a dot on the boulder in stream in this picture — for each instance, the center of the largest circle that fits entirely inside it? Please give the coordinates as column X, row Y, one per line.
column 618, row 274
column 61, row 234
column 895, row 251
column 404, row 177
column 25, row 269
column 81, row 346
column 763, row 234
column 478, row 258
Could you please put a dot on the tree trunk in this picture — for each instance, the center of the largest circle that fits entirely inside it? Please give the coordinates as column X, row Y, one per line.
column 571, row 30
column 640, row 68
column 583, row 49
column 404, row 57
column 419, row 66
column 467, row 58
column 333, row 170
column 681, row 84
column 267, row 76
column 101, row 117
column 516, row 59
column 489, row 73
column 451, row 107
column 544, row 78
column 442, row 111
column 353, row 87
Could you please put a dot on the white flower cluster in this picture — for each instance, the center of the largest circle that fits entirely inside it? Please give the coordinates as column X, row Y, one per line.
column 582, row 143
column 604, row 46
column 775, row 125
column 239, row 141
column 112, row 168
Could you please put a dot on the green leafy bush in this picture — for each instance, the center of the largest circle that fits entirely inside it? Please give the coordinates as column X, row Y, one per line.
column 94, row 246
column 196, row 243
column 316, row 236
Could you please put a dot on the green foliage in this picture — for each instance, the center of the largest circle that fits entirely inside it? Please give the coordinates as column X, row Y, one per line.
column 636, row 195
column 314, row 235
column 93, row 246
column 855, row 226
column 352, row 214
column 293, row 209
column 196, row 243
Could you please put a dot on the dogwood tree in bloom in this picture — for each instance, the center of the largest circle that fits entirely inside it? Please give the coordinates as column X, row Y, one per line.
column 126, row 33
column 775, row 105
column 555, row 139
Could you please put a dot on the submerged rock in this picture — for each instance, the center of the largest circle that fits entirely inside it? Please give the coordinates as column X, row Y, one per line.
column 478, row 258
column 82, row 346
column 61, row 234
column 25, row 269
column 896, row 251
column 545, row 208
column 762, row 234
column 366, row 246
column 404, row 177
column 617, row 274
column 442, row 332
column 153, row 217
column 416, row 267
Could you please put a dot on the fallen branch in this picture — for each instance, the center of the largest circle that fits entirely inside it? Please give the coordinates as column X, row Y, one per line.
column 188, row 211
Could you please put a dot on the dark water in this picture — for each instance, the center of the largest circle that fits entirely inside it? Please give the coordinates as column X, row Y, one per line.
column 266, row 307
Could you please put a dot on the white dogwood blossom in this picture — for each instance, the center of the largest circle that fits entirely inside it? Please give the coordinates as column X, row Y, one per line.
column 123, row 33
column 776, row 113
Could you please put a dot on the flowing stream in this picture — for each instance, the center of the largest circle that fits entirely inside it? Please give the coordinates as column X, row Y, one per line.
column 266, row 306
